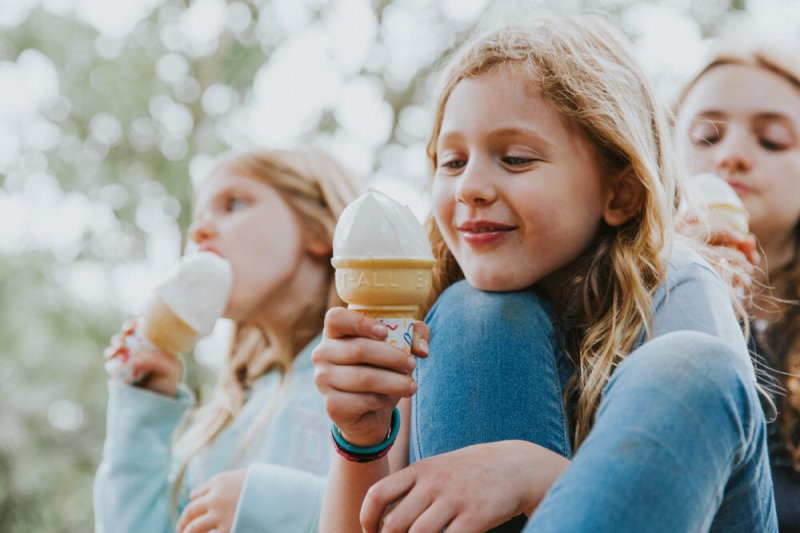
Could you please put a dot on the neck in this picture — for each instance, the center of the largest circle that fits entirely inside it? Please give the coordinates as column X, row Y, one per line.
column 291, row 318
column 777, row 254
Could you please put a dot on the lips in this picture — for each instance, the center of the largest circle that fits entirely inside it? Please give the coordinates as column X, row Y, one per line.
column 209, row 248
column 739, row 188
column 479, row 232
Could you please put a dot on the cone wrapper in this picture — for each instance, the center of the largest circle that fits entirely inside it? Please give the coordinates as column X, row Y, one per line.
column 390, row 290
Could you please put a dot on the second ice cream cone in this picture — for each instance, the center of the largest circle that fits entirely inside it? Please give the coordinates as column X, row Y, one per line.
column 164, row 329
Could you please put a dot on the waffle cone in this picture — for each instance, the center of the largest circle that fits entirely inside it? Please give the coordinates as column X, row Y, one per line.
column 384, row 288
column 164, row 329
column 729, row 215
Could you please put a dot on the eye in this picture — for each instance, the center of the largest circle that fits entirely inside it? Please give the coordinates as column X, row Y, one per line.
column 772, row 146
column 517, row 161
column 455, row 164
column 774, row 137
column 705, row 133
column 232, row 204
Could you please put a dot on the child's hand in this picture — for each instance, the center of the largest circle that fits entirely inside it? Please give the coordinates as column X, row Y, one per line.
column 362, row 377
column 141, row 365
column 496, row 482
column 733, row 253
column 728, row 237
column 213, row 505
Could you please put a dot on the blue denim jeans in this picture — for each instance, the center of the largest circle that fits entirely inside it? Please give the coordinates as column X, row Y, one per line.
column 679, row 441
column 490, row 355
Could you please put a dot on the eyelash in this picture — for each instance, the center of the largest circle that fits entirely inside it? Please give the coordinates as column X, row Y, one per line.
column 230, row 201
column 772, row 146
column 458, row 164
column 517, row 161
column 455, row 164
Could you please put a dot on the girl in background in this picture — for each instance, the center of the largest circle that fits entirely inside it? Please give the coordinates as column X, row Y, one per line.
column 739, row 118
column 256, row 456
column 567, row 316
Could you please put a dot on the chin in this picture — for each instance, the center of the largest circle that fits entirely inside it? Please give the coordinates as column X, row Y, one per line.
column 497, row 283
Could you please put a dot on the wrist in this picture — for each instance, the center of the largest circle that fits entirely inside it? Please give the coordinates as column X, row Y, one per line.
column 364, row 454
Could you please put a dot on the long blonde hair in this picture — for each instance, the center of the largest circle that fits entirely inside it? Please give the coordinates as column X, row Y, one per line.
column 587, row 73
column 317, row 189
column 781, row 339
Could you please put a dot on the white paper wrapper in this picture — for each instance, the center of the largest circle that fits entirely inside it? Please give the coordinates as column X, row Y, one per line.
column 401, row 331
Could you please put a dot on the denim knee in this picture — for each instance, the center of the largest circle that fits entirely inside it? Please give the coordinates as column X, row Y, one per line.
column 694, row 372
column 495, row 372
column 474, row 314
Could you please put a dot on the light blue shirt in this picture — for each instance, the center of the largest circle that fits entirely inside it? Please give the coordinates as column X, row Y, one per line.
column 287, row 460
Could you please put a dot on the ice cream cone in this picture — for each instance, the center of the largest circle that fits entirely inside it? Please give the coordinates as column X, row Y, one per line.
column 183, row 308
column 383, row 263
column 390, row 290
column 728, row 215
column 389, row 286
column 164, row 329
column 720, row 202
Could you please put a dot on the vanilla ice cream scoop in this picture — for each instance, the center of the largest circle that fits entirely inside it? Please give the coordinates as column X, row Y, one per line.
column 383, row 263
column 197, row 290
column 375, row 225
column 719, row 200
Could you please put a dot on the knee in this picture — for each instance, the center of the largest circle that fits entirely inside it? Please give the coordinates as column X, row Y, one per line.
column 699, row 369
column 463, row 305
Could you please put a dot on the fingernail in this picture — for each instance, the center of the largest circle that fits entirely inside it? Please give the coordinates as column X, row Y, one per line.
column 379, row 330
column 412, row 387
column 423, row 345
column 411, row 363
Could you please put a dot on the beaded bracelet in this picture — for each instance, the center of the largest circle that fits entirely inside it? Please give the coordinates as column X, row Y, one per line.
column 358, row 454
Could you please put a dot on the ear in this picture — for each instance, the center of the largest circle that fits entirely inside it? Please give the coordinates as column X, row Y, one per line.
column 319, row 248
column 624, row 198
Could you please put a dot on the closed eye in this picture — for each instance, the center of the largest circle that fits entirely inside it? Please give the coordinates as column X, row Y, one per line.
column 517, row 161
column 772, row 145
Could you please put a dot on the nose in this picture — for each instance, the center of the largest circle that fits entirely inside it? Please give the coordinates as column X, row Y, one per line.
column 475, row 184
column 735, row 153
column 202, row 229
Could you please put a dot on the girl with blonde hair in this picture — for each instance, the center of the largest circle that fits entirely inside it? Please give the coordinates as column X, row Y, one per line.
column 739, row 118
column 567, row 316
column 255, row 456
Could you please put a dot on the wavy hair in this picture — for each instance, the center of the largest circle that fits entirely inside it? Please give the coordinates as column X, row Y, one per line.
column 316, row 188
column 781, row 339
column 587, row 72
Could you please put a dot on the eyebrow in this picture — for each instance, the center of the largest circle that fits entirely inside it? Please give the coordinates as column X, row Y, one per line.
column 501, row 133
column 715, row 114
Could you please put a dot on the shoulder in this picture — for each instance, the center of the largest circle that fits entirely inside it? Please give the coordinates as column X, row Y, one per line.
column 686, row 262
column 690, row 283
column 686, row 266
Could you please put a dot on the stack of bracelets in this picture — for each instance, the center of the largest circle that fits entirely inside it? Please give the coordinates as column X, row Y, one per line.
column 358, row 454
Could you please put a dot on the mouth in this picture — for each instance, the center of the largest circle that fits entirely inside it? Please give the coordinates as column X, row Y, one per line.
column 739, row 188
column 484, row 232
column 209, row 248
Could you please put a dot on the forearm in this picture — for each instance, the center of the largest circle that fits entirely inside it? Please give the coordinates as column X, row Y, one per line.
column 132, row 490
column 348, row 484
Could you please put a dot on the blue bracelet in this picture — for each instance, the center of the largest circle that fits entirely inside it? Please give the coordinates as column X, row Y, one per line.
column 359, row 454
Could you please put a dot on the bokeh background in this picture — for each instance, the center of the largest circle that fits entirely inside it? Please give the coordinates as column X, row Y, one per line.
column 110, row 109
